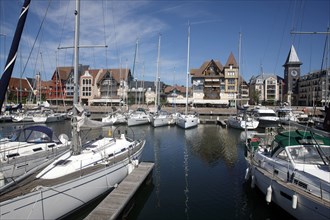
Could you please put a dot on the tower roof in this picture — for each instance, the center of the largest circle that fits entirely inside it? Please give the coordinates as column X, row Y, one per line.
column 231, row 61
column 292, row 57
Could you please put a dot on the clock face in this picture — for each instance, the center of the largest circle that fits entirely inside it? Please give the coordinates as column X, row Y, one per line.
column 294, row 73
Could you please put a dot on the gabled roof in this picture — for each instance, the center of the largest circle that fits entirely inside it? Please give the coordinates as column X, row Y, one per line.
column 15, row 83
column 231, row 61
column 47, row 84
column 64, row 72
column 292, row 57
column 170, row 89
column 201, row 71
column 116, row 74
column 93, row 73
column 262, row 77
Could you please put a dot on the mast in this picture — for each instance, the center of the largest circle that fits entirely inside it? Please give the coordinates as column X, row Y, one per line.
column 157, row 77
column 188, row 62
column 75, row 138
column 4, row 81
column 136, row 50
column 239, row 67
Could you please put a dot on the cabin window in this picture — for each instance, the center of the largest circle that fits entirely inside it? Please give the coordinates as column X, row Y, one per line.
column 282, row 155
column 37, row 149
column 62, row 162
column 306, row 154
column 12, row 155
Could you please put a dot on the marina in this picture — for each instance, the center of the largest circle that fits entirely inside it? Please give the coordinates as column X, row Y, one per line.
column 120, row 147
column 198, row 172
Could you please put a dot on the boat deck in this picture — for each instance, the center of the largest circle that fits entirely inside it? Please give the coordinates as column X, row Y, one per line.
column 32, row 182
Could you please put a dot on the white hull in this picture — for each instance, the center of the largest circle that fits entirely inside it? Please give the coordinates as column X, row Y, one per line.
column 12, row 167
column 282, row 195
column 22, row 118
column 187, row 121
column 137, row 121
column 158, row 122
column 239, row 123
column 292, row 172
column 138, row 118
column 57, row 201
column 54, row 201
column 29, row 148
column 49, row 118
column 114, row 119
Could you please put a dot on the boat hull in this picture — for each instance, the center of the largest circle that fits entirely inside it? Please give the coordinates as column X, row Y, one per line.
column 161, row 121
column 242, row 124
column 60, row 200
column 283, row 197
column 187, row 122
column 138, row 121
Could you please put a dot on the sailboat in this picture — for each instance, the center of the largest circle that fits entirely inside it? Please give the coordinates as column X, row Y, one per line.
column 242, row 120
column 31, row 147
column 138, row 116
column 160, row 118
column 89, row 170
column 28, row 149
column 187, row 120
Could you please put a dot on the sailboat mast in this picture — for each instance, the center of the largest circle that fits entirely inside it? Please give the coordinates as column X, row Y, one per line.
column 75, row 138
column 239, row 68
column 157, row 77
column 4, row 81
column 188, row 62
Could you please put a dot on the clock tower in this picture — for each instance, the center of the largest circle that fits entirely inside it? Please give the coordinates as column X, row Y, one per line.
column 291, row 76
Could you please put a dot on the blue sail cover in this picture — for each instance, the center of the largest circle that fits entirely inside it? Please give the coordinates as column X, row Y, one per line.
column 4, row 81
column 42, row 129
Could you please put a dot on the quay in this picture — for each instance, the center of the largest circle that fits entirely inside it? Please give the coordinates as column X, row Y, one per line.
column 115, row 203
column 208, row 115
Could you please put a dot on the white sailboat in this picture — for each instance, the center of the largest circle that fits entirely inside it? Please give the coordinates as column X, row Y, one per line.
column 79, row 176
column 27, row 149
column 138, row 117
column 48, row 115
column 160, row 118
column 187, row 120
column 242, row 120
column 114, row 118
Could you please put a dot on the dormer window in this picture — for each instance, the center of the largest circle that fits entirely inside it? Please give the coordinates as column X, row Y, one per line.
column 231, row 66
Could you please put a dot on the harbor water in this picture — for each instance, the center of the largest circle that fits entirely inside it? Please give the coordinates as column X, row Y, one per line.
column 198, row 174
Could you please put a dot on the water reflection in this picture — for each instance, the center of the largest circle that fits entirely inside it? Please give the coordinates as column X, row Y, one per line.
column 186, row 171
column 213, row 143
column 198, row 174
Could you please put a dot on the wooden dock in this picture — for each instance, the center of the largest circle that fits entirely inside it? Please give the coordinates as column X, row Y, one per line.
column 113, row 205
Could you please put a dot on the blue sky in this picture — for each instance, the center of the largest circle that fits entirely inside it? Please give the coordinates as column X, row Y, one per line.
column 264, row 25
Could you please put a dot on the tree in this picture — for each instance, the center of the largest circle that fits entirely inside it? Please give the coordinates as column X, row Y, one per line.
column 256, row 96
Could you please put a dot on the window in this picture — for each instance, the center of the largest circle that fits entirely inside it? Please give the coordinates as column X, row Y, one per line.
column 282, row 155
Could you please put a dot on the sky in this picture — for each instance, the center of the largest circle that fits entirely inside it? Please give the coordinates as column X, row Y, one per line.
column 131, row 34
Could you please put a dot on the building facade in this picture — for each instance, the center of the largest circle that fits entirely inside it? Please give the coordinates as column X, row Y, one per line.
column 313, row 88
column 216, row 85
